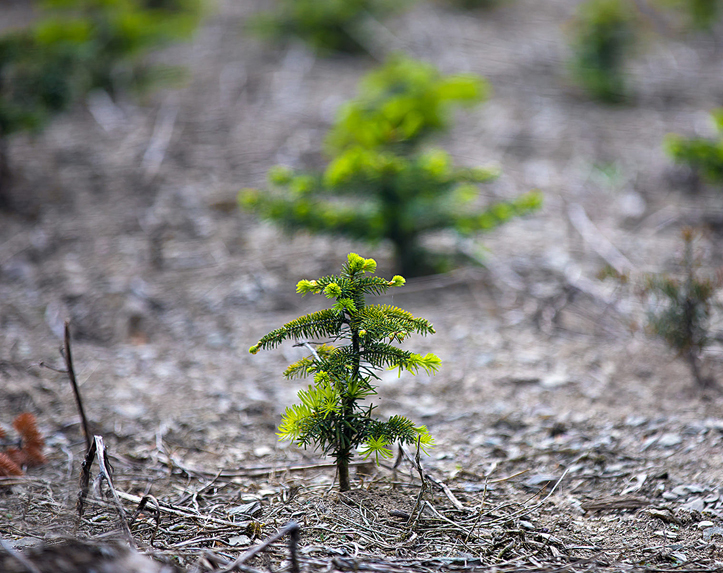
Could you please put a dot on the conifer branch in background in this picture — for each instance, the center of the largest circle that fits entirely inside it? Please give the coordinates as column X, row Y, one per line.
column 331, row 416
column 703, row 156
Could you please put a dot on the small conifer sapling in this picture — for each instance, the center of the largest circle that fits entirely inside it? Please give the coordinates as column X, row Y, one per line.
column 383, row 182
column 682, row 316
column 357, row 342
column 603, row 35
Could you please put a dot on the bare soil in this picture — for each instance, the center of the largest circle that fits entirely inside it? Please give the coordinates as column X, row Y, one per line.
column 566, row 437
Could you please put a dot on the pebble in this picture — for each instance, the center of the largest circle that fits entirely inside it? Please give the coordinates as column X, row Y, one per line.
column 682, row 490
column 705, row 524
column 239, row 540
column 262, row 451
column 669, row 496
column 669, row 440
column 711, row 531
column 540, row 480
column 555, row 380
column 248, row 509
column 694, row 505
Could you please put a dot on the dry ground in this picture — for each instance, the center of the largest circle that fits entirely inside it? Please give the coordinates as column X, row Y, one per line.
column 547, row 383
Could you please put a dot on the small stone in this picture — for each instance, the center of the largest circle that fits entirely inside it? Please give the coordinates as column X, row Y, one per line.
column 669, row 496
column 680, row 556
column 669, row 440
column 555, row 380
column 632, row 205
column 239, row 540
column 711, row 531
column 248, row 509
column 694, row 505
column 635, row 421
column 132, row 411
column 705, row 524
column 262, row 451
column 541, row 480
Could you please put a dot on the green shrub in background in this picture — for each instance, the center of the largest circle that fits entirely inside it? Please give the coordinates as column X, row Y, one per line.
column 699, row 14
column 602, row 38
column 327, row 26
column 80, row 45
column 380, row 184
column 704, row 156
column 474, row 4
column 682, row 309
column 331, row 416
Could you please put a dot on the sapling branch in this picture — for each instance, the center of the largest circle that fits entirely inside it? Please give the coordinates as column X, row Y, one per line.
column 311, row 348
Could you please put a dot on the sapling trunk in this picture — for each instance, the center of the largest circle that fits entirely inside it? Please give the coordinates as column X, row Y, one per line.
column 691, row 357
column 342, row 468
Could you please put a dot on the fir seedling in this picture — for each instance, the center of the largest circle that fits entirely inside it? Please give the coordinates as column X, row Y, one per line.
column 682, row 311
column 603, row 35
column 381, row 184
column 327, row 26
column 703, row 156
column 357, row 343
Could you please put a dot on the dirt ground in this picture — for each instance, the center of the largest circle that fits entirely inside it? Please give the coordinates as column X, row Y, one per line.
column 566, row 438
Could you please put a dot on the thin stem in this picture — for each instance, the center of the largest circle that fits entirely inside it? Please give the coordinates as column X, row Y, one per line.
column 74, row 383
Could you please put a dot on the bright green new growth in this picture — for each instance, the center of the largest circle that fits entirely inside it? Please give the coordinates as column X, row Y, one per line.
column 704, row 156
column 603, row 35
column 330, row 415
column 380, row 184
column 682, row 315
column 400, row 104
column 325, row 25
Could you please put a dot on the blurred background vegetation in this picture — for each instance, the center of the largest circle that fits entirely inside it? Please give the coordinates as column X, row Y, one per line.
column 76, row 46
